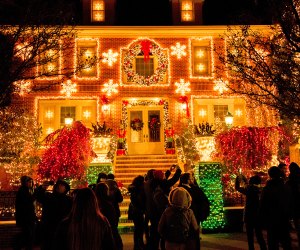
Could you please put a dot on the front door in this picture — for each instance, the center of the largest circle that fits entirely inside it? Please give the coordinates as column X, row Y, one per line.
column 145, row 127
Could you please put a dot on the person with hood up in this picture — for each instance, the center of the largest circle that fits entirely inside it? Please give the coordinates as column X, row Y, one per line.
column 178, row 225
column 25, row 214
column 55, row 207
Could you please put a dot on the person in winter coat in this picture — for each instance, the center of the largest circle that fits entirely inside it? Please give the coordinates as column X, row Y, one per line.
column 178, row 225
column 85, row 227
column 55, row 207
column 157, row 200
column 137, row 210
column 200, row 203
column 293, row 183
column 108, row 210
column 275, row 210
column 25, row 214
column 251, row 212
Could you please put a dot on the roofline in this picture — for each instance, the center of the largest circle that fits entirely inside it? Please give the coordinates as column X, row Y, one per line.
column 157, row 31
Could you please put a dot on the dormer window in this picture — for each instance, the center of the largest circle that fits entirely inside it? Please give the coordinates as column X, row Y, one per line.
column 98, row 11
column 187, row 11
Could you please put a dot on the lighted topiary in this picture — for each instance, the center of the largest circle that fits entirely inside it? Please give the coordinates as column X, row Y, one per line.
column 69, row 153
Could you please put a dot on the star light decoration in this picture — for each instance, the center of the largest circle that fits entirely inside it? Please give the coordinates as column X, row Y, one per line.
column 182, row 87
column 110, row 57
column 23, row 87
column 110, row 88
column 178, row 50
column 220, row 86
column 68, row 88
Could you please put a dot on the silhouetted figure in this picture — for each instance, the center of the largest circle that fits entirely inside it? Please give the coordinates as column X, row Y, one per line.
column 293, row 183
column 108, row 210
column 200, row 203
column 178, row 225
column 283, row 170
column 137, row 210
column 251, row 213
column 276, row 210
column 25, row 214
column 56, row 206
column 85, row 227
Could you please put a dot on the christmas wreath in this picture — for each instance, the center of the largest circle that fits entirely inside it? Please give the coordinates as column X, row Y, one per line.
column 136, row 124
column 154, row 123
column 159, row 72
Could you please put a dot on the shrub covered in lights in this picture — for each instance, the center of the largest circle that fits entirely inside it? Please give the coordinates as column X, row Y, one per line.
column 208, row 176
column 68, row 154
column 93, row 171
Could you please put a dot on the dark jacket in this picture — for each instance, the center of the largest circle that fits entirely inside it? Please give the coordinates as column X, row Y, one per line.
column 275, row 207
column 252, row 193
column 25, row 208
column 137, row 199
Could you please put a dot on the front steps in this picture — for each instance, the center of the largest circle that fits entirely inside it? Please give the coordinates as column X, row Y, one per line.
column 126, row 168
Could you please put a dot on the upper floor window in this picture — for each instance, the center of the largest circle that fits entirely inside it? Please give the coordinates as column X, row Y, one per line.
column 201, row 58
column 145, row 63
column 49, row 63
column 187, row 11
column 98, row 11
column 86, row 66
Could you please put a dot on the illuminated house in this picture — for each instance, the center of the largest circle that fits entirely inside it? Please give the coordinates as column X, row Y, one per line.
column 163, row 74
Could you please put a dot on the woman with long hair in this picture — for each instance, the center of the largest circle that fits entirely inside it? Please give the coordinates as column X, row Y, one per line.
column 85, row 228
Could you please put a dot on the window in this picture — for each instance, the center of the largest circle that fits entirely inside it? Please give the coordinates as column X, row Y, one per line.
column 49, row 63
column 201, row 58
column 67, row 112
column 187, row 11
column 52, row 113
column 144, row 68
column 87, row 58
column 98, row 11
column 220, row 111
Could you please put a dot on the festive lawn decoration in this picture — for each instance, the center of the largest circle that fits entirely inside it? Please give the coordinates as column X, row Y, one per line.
column 248, row 148
column 95, row 169
column 101, row 130
column 151, row 49
column 187, row 141
column 208, row 176
column 19, row 144
column 69, row 153
column 136, row 124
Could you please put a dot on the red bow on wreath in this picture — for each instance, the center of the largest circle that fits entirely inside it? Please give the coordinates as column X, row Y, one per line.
column 104, row 99
column 185, row 100
column 146, row 47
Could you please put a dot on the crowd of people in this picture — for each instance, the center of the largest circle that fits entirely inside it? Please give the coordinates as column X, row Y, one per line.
column 273, row 207
column 166, row 208
column 88, row 218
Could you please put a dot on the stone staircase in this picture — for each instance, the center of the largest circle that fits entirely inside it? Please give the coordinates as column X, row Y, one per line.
column 128, row 167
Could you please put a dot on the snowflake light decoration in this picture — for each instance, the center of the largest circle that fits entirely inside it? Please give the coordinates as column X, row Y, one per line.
column 220, row 86
column 23, row 87
column 110, row 88
column 110, row 57
column 178, row 50
column 182, row 87
column 68, row 88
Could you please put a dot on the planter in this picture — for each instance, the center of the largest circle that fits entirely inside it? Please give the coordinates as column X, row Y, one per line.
column 121, row 152
column 170, row 151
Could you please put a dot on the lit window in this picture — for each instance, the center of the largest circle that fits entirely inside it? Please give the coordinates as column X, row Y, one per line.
column 98, row 11
column 67, row 112
column 201, row 59
column 143, row 68
column 187, row 11
column 86, row 61
column 49, row 63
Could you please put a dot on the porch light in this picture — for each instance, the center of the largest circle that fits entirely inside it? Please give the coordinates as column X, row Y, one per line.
column 68, row 121
column 229, row 119
column 105, row 108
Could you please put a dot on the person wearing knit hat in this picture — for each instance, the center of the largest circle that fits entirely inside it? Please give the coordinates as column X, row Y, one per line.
column 178, row 225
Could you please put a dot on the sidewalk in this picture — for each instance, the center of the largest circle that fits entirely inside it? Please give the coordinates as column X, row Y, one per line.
column 224, row 241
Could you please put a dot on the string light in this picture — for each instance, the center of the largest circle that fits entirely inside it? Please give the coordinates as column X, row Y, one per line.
column 208, row 176
column 110, row 57
column 178, row 50
column 220, row 86
column 110, row 88
column 23, row 87
column 68, row 88
column 182, row 87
